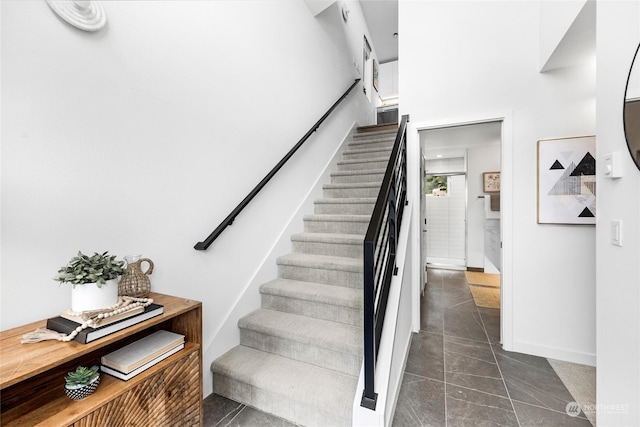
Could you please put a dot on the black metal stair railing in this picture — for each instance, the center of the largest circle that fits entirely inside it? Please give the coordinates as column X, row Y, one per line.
column 380, row 256
column 232, row 216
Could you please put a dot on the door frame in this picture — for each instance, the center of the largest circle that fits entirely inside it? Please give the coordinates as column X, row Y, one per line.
column 506, row 207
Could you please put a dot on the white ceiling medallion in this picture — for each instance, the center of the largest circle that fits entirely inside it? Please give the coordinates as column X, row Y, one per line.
column 82, row 14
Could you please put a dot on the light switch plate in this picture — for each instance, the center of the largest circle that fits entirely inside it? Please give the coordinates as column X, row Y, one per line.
column 616, row 232
column 613, row 165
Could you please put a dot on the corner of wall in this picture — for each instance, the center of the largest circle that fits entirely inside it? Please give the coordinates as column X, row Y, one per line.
column 567, row 29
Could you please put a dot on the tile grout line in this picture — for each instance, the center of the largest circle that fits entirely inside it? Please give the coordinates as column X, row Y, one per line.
column 546, row 408
column 236, row 415
column 444, row 364
column 498, row 365
column 238, row 408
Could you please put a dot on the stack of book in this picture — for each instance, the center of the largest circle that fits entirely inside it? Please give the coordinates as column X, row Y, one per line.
column 67, row 323
column 130, row 360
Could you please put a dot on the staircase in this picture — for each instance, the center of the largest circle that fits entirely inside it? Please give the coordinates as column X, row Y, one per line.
column 300, row 353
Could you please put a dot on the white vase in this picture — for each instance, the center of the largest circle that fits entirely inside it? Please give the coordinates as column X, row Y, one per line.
column 91, row 297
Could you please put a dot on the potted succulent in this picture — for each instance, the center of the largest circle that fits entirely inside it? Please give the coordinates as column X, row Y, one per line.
column 81, row 382
column 94, row 279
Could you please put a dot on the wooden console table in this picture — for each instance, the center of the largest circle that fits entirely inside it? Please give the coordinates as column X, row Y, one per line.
column 168, row 393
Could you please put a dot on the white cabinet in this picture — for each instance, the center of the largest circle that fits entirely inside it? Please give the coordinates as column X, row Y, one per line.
column 492, row 245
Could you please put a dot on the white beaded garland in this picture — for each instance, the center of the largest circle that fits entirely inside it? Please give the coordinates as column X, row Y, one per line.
column 93, row 318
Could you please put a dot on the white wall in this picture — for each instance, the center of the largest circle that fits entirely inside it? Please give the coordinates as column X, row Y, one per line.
column 479, row 160
column 633, row 87
column 618, row 270
column 136, row 139
column 445, row 74
column 388, row 80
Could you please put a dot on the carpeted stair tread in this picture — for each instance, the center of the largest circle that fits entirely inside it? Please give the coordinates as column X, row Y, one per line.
column 363, row 161
column 379, row 127
column 320, row 333
column 369, row 140
column 347, row 185
column 371, row 145
column 363, row 164
column 345, row 205
column 347, row 224
column 316, row 292
column 382, row 152
column 345, row 200
column 298, row 391
column 371, row 175
column 320, row 268
column 337, row 244
column 321, row 262
column 367, row 153
column 375, row 134
column 317, row 300
column 360, row 172
column 337, row 218
column 345, row 239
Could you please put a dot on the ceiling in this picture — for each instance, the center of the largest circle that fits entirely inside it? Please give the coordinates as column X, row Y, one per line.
column 382, row 20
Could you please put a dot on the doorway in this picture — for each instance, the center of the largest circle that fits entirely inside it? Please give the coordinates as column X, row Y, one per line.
column 483, row 143
column 461, row 154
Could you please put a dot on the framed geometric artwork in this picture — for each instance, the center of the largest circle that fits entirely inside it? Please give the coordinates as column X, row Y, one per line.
column 491, row 182
column 567, row 181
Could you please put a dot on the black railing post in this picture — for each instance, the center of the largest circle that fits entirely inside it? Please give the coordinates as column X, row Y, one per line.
column 392, row 219
column 382, row 233
column 369, row 397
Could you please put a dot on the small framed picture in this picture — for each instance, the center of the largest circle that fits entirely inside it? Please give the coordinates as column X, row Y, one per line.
column 491, row 182
column 375, row 75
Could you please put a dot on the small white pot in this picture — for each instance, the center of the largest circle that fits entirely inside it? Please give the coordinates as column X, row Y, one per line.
column 91, row 297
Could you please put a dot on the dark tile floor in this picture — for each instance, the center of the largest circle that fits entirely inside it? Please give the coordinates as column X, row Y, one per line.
column 456, row 375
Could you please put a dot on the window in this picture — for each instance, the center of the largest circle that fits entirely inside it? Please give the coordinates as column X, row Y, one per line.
column 436, row 185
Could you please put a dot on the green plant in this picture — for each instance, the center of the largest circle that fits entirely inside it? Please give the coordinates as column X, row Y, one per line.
column 435, row 182
column 81, row 376
column 95, row 269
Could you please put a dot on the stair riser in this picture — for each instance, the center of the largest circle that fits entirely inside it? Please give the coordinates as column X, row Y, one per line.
column 341, row 193
column 329, row 249
column 282, row 406
column 370, row 145
column 317, row 310
column 380, row 164
column 348, row 363
column 386, row 136
column 366, row 155
column 344, row 208
column 348, row 279
column 344, row 227
column 364, row 177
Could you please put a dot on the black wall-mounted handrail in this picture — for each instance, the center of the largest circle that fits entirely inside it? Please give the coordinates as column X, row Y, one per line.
column 201, row 246
column 379, row 260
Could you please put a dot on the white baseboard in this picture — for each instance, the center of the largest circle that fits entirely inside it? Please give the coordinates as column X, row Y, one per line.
column 554, row 353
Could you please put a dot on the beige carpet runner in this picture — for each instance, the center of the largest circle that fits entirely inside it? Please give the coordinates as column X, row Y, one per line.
column 485, row 288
